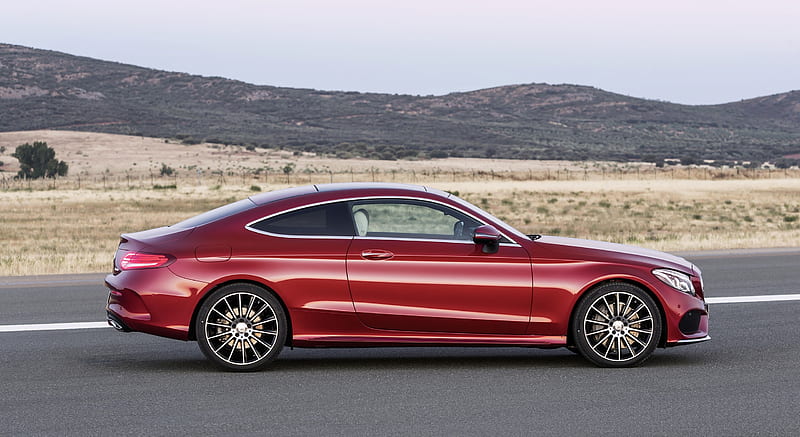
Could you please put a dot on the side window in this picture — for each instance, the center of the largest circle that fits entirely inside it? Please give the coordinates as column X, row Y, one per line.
column 216, row 214
column 410, row 219
column 330, row 219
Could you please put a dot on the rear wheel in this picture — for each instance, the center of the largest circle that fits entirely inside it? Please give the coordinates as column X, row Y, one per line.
column 241, row 327
column 617, row 325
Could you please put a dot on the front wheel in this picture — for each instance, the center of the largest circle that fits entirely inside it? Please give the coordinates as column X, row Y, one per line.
column 241, row 327
column 617, row 325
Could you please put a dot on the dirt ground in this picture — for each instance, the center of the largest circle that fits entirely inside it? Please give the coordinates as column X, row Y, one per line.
column 92, row 154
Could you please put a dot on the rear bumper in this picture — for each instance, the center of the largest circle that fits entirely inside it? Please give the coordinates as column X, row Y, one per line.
column 154, row 301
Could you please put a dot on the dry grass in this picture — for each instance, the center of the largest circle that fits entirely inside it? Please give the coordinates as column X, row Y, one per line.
column 94, row 155
column 72, row 225
column 120, row 161
column 75, row 231
column 664, row 215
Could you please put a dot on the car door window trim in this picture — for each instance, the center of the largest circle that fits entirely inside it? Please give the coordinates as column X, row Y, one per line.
column 249, row 226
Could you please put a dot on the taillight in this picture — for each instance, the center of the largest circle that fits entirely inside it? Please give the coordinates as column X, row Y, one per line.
column 141, row 260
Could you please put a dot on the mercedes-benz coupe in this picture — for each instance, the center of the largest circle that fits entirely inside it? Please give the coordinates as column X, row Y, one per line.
column 344, row 265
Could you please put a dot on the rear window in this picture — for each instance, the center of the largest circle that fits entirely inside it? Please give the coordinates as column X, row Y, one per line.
column 216, row 214
column 330, row 219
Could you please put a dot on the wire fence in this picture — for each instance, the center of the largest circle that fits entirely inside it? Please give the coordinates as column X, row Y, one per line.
column 264, row 179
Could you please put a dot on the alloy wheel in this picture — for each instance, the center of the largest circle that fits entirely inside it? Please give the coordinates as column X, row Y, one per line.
column 241, row 329
column 617, row 326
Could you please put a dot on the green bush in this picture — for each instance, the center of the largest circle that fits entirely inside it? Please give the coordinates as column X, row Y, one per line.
column 167, row 170
column 38, row 161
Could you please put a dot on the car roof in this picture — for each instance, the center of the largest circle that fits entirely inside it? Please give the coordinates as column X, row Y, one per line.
column 363, row 187
column 368, row 185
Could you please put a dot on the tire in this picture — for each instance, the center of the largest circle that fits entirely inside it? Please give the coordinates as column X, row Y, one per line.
column 241, row 327
column 617, row 325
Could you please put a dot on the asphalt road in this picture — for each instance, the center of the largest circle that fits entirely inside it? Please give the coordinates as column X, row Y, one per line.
column 745, row 381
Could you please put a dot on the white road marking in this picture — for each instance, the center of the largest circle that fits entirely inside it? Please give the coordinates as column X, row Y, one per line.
column 53, row 326
column 753, row 299
column 95, row 325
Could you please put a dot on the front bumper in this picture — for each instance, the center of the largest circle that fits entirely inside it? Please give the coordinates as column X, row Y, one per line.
column 689, row 341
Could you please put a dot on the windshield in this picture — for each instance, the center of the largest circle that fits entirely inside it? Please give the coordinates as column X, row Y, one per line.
column 503, row 224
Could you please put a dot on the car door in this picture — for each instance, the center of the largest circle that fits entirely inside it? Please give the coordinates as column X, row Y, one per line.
column 414, row 267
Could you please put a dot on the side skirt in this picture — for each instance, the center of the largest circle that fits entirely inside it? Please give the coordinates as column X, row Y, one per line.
column 402, row 339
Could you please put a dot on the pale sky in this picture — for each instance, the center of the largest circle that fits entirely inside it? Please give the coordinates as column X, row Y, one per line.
column 693, row 52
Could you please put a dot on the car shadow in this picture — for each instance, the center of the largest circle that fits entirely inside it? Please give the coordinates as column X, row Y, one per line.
column 438, row 358
column 313, row 360
column 475, row 358
column 357, row 359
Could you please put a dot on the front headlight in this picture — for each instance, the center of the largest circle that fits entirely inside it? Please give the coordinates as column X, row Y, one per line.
column 677, row 280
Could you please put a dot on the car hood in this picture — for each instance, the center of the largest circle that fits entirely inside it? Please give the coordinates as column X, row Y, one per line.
column 562, row 247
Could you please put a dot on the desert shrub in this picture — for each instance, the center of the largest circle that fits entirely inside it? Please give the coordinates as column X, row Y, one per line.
column 38, row 160
column 167, row 170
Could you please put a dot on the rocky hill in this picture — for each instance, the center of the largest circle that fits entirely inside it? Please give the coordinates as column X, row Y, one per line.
column 42, row 89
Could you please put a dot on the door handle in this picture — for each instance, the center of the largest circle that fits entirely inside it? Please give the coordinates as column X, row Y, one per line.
column 376, row 254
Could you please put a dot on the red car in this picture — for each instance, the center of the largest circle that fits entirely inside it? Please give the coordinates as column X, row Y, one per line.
column 345, row 265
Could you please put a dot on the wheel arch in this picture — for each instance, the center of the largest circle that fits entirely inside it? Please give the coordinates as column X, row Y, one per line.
column 662, row 342
column 211, row 290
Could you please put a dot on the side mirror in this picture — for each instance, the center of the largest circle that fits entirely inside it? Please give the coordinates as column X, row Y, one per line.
column 488, row 237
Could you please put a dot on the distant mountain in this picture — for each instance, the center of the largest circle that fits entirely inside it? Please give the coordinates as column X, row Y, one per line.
column 42, row 89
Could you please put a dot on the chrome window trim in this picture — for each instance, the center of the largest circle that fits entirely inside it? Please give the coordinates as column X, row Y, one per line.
column 315, row 237
column 429, row 240
column 249, row 227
